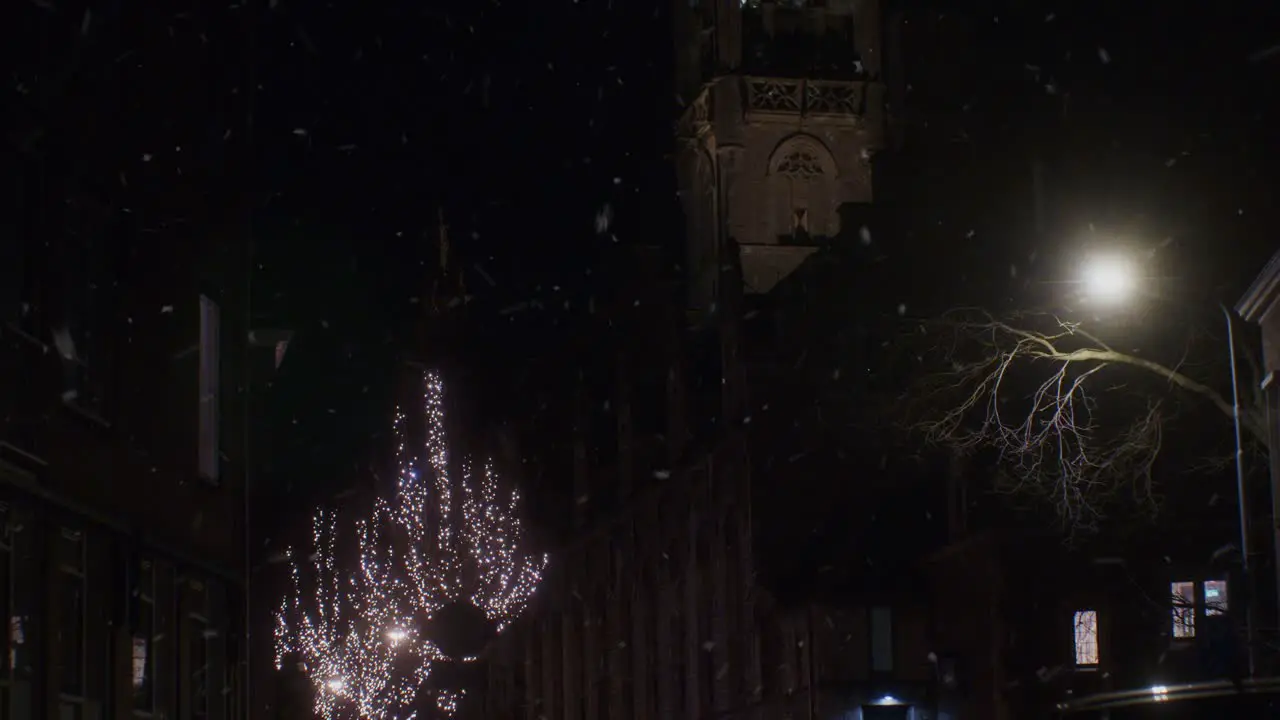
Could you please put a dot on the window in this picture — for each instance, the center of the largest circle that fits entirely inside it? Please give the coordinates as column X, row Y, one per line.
column 88, row 300
column 143, row 600
column 881, row 639
column 209, row 390
column 649, row 399
column 1215, row 597
column 799, row 222
column 1187, row 604
column 198, row 647
column 1183, row 596
column 14, row 574
column 706, row 392
column 6, row 595
column 1086, row 637
column 71, row 627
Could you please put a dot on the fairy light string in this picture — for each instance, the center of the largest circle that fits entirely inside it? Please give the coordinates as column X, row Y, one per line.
column 358, row 631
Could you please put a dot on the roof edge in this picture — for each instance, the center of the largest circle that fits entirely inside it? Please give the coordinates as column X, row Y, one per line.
column 1262, row 293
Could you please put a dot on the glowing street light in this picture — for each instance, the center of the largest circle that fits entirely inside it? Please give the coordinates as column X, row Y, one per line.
column 1109, row 279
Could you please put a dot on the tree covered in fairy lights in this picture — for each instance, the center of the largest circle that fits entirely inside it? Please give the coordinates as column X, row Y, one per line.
column 359, row 626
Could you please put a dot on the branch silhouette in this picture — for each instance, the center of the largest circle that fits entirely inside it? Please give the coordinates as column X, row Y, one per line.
column 1033, row 397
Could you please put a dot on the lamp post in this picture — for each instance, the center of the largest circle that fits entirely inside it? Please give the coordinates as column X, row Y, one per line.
column 1112, row 280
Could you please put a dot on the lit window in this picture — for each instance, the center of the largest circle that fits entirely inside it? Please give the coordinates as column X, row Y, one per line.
column 139, row 662
column 1183, row 597
column 1086, row 637
column 1215, row 597
column 281, row 347
column 144, row 631
column 800, row 221
column 209, row 369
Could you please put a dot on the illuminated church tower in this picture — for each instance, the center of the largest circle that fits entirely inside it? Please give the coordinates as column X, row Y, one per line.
column 783, row 110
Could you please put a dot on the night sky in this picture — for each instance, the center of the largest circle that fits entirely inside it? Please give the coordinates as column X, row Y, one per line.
column 521, row 121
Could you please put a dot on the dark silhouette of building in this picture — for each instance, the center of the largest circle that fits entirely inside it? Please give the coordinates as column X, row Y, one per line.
column 122, row 454
column 652, row 607
column 124, row 343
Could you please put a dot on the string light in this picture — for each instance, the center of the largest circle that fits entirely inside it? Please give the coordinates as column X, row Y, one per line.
column 359, row 633
column 447, row 701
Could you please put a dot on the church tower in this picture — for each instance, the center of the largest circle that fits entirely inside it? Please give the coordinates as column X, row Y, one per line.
column 782, row 112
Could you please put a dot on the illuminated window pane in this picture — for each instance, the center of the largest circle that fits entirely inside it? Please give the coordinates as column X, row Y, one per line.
column 1086, row 637
column 1183, row 596
column 144, row 633
column 1215, row 597
column 139, row 662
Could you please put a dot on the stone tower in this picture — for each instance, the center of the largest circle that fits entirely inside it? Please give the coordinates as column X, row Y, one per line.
column 782, row 112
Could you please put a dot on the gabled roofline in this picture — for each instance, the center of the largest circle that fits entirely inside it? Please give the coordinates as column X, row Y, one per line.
column 1263, row 293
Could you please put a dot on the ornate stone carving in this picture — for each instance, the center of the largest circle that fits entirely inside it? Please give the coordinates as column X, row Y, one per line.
column 833, row 98
column 800, row 163
column 695, row 121
column 785, row 96
column 774, row 94
column 802, row 157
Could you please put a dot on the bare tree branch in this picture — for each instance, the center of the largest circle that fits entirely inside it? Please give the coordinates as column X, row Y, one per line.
column 1032, row 396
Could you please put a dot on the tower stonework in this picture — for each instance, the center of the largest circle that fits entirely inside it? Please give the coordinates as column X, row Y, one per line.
column 783, row 111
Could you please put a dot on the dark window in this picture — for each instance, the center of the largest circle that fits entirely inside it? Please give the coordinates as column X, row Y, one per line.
column 198, row 647
column 25, row 250
column 881, row 639
column 71, row 616
column 210, row 366
column 649, row 399
column 14, row 302
column 708, row 383
column 794, row 49
column 602, row 419
column 87, row 300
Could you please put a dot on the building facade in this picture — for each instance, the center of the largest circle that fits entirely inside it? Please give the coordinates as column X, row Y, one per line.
column 121, row 463
column 647, row 610
column 652, row 608
column 1023, row 626
column 122, row 338
column 784, row 113
column 1261, row 306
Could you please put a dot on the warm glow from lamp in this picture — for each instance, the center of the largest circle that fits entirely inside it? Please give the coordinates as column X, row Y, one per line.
column 1109, row 279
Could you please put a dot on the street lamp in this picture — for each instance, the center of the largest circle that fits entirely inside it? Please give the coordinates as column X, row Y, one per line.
column 1109, row 278
column 1112, row 279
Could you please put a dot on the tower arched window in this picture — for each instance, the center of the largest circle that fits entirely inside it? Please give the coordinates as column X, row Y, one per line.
column 802, row 183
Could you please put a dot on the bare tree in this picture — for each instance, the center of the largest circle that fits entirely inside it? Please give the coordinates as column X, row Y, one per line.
column 1035, row 396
